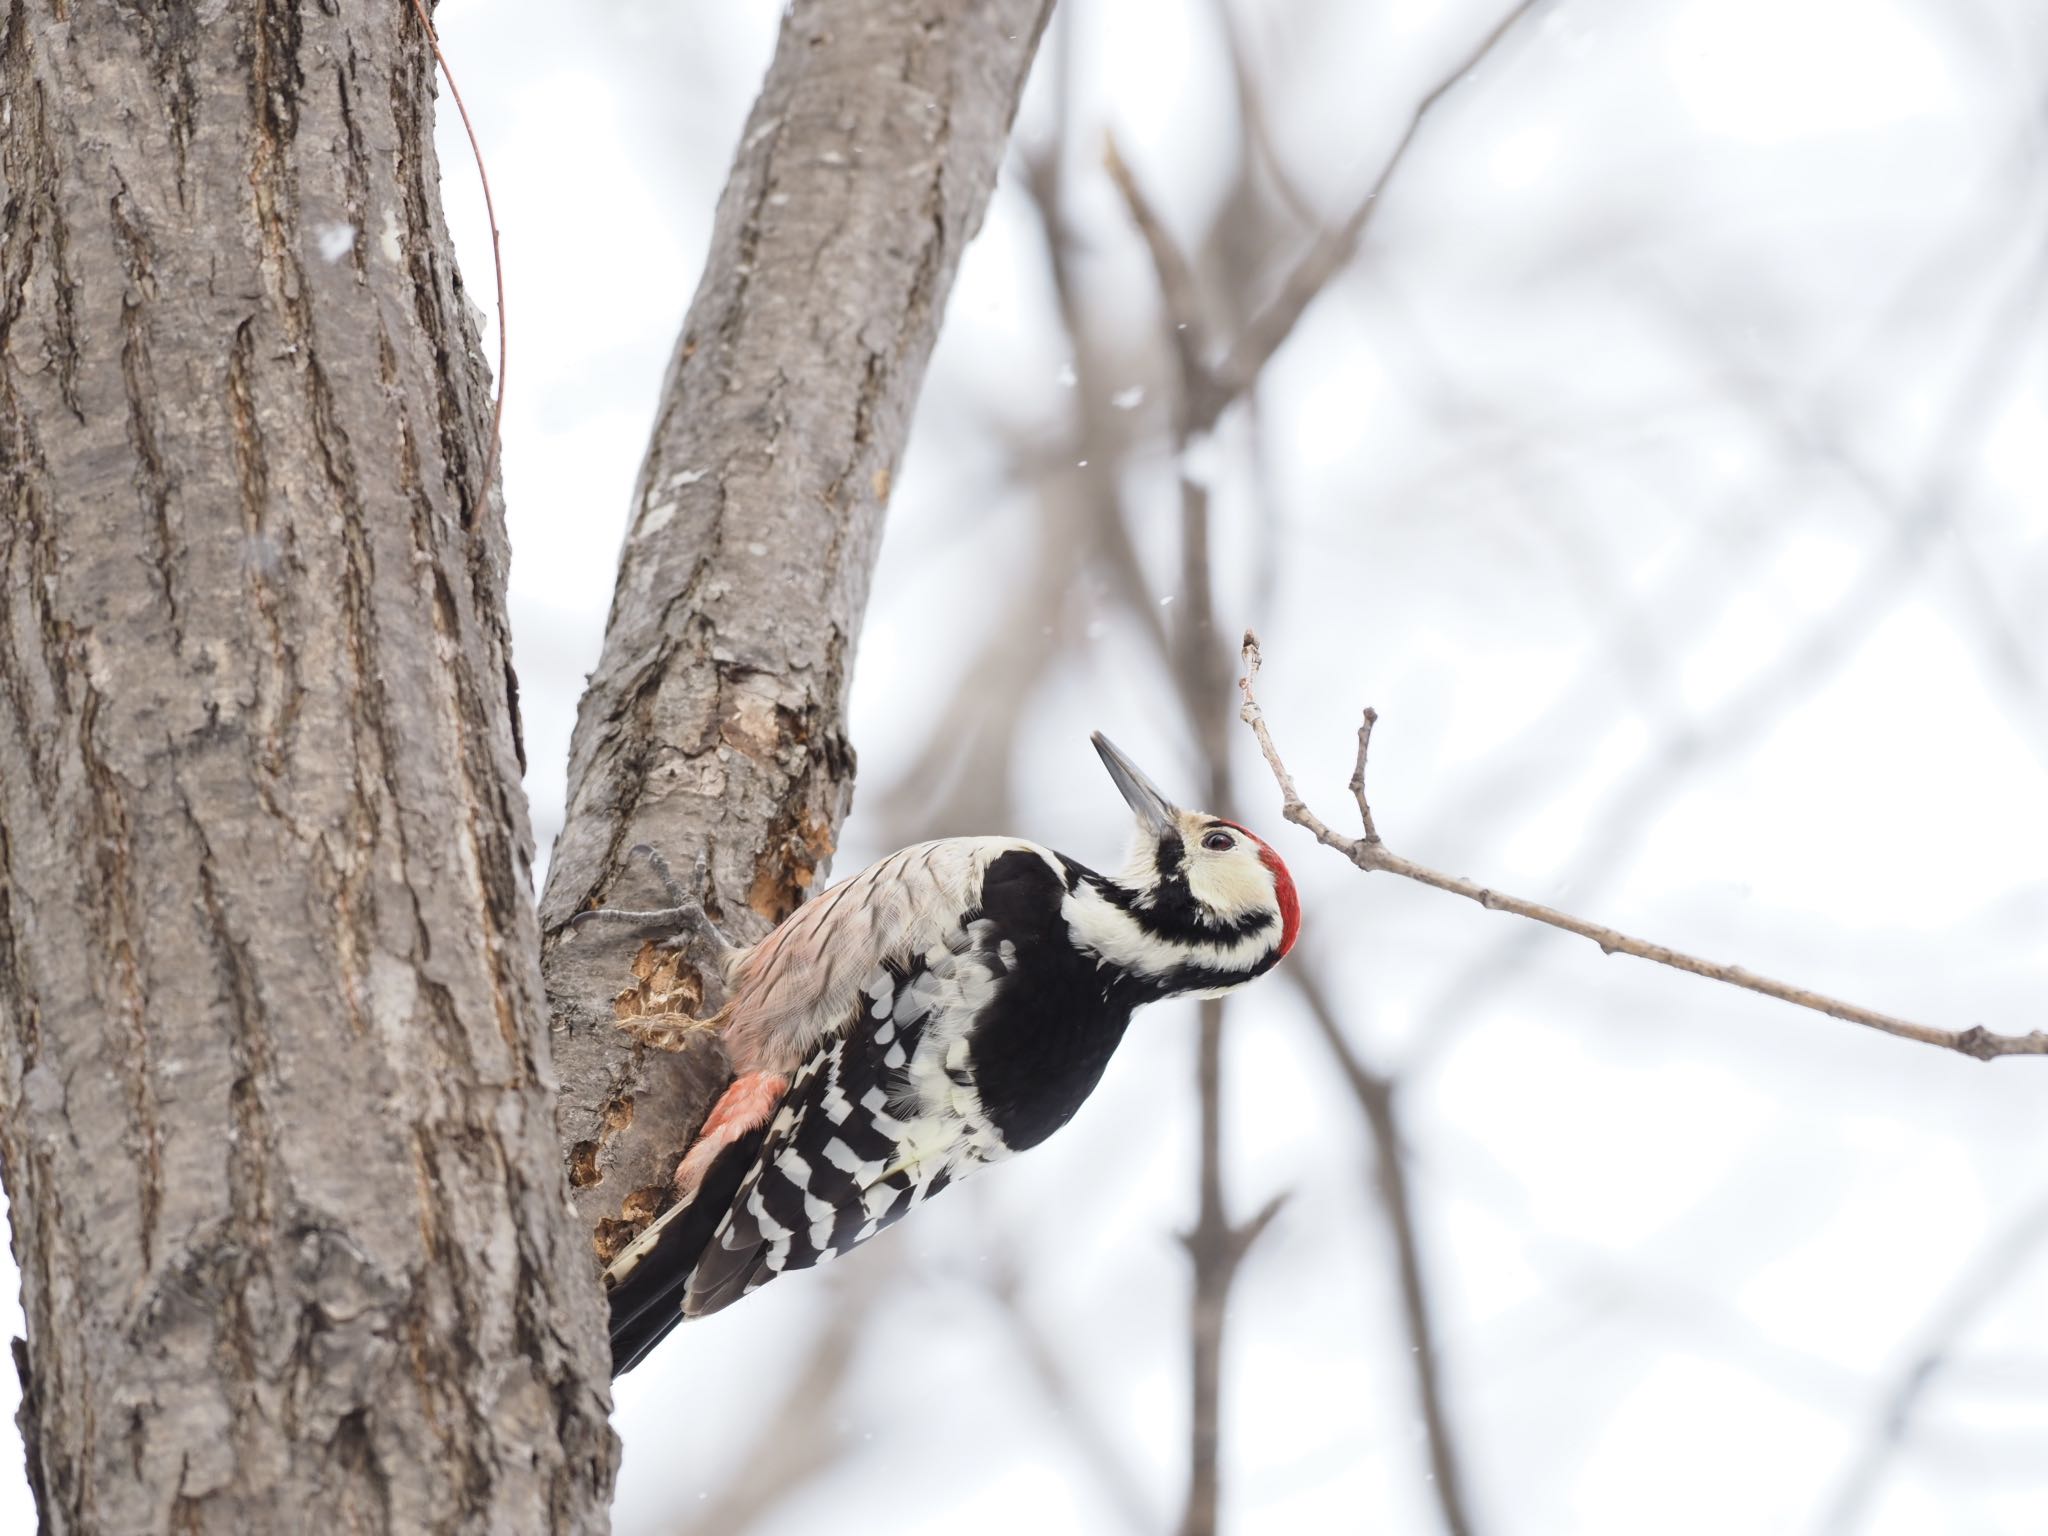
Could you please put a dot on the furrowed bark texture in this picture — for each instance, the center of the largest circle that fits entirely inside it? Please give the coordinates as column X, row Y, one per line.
column 274, row 1099
column 716, row 718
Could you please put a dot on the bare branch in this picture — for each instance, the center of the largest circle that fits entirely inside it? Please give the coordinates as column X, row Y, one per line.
column 1177, row 287
column 1199, row 669
column 1918, row 518
column 1251, row 1231
column 1106, row 528
column 1369, row 855
column 1377, row 1101
column 1216, row 1248
column 1092, row 1439
column 1209, row 390
column 795, row 1444
column 1980, row 1284
column 1271, row 327
column 1251, row 109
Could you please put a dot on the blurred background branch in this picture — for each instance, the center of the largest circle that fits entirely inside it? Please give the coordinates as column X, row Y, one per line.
column 1550, row 374
column 1975, row 1288
column 1377, row 1101
column 1583, row 402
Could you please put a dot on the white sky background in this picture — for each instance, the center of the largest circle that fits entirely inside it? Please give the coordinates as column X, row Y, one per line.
column 1669, row 471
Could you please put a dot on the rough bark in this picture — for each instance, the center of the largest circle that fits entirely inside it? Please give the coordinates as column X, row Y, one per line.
column 274, row 1093
column 716, row 719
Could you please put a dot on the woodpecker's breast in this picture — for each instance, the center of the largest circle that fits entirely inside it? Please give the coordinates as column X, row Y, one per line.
column 1039, row 1045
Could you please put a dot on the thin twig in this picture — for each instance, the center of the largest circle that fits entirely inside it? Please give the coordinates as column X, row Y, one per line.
column 1357, row 786
column 1191, row 648
column 1976, row 1041
column 1177, row 286
column 497, row 255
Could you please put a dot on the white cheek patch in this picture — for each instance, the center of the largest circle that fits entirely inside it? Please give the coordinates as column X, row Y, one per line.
column 1231, row 883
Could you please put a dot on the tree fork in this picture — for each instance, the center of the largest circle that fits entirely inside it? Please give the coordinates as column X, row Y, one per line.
column 716, row 719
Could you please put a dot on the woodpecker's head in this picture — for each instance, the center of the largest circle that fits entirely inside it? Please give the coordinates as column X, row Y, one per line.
column 1206, row 904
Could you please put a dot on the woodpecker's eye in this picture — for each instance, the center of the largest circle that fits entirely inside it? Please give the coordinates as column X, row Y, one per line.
column 1218, row 841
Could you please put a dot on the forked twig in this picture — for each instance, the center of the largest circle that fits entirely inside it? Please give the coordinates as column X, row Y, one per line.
column 1271, row 326
column 1369, row 853
column 1208, row 388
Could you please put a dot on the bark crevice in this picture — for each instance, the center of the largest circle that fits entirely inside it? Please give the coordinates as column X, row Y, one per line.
column 274, row 1105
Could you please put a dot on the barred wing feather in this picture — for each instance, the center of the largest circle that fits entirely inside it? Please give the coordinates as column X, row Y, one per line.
column 833, row 1170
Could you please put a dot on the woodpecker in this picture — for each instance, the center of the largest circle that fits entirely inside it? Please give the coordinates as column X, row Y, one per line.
column 944, row 1009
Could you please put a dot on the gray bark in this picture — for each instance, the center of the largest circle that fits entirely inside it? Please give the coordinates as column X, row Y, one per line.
column 716, row 719
column 275, row 1104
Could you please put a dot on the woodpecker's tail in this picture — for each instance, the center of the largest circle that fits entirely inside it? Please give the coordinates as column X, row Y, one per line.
column 654, row 1271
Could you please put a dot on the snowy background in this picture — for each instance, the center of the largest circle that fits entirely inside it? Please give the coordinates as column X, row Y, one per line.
column 1670, row 469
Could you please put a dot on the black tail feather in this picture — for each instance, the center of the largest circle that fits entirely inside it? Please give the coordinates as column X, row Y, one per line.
column 649, row 1301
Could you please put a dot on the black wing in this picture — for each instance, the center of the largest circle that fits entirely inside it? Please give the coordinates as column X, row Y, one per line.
column 649, row 1301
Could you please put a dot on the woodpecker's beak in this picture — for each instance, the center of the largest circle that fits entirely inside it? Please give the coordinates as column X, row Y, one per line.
column 1153, row 808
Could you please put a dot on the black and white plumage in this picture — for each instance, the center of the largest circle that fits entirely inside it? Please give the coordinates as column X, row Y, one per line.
column 946, row 1008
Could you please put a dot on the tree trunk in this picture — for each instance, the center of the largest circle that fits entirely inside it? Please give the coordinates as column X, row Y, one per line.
column 716, row 718
column 274, row 1087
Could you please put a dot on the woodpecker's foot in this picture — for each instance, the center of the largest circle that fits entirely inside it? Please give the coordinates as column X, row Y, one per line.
column 745, row 1106
column 681, row 922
